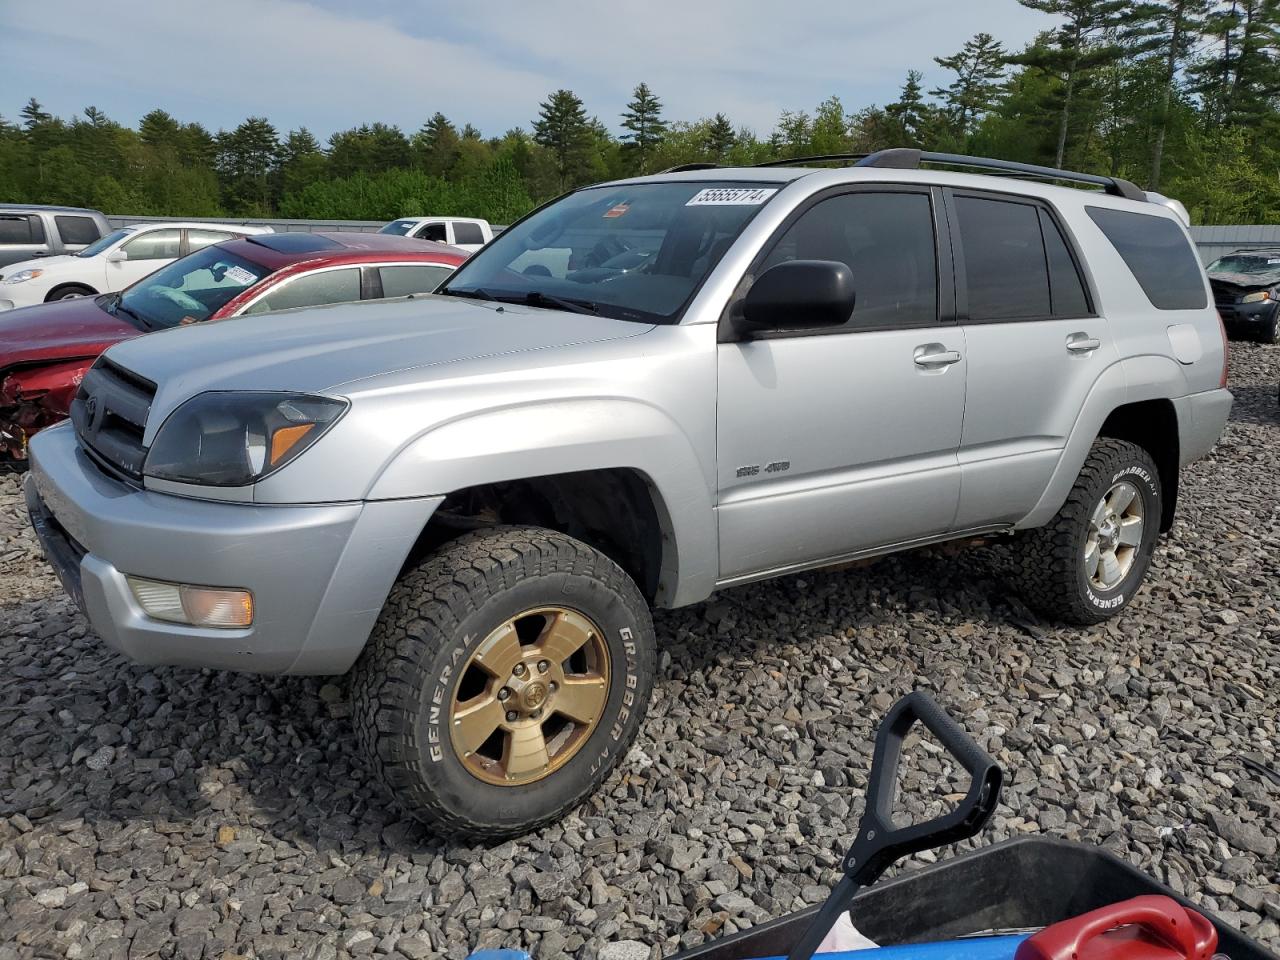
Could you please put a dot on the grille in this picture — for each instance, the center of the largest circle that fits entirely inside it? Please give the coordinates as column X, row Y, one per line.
column 110, row 414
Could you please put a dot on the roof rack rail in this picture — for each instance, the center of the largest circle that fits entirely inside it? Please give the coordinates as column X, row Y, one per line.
column 681, row 168
column 827, row 157
column 908, row 158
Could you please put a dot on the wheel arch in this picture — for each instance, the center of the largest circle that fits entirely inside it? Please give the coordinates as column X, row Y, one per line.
column 56, row 292
column 618, row 474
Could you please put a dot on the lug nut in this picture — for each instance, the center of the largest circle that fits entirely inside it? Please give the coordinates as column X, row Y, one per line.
column 543, row 666
column 512, row 716
column 504, row 694
column 552, row 687
column 536, row 714
column 520, row 670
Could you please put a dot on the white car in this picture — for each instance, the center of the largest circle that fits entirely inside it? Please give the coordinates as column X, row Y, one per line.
column 466, row 232
column 111, row 263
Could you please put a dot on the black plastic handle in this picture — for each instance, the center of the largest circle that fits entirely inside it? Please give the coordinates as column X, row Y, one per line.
column 879, row 844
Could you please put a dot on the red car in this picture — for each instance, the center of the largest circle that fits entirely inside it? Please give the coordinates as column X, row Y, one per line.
column 46, row 349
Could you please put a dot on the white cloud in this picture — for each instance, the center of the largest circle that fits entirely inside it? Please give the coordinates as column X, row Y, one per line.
column 330, row 64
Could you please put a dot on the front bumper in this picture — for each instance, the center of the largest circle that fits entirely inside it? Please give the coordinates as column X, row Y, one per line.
column 1247, row 315
column 1201, row 419
column 319, row 573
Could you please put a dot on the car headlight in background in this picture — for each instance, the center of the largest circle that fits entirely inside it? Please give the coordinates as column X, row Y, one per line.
column 1258, row 297
column 234, row 439
column 22, row 276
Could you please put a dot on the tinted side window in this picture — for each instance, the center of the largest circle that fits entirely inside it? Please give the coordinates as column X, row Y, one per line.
column 1004, row 261
column 887, row 241
column 402, row 281
column 77, row 230
column 1159, row 256
column 433, row 231
column 15, row 230
column 1065, row 285
column 467, row 233
column 154, row 245
column 329, row 286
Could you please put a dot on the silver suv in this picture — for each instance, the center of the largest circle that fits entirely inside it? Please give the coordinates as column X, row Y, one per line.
column 35, row 230
column 640, row 394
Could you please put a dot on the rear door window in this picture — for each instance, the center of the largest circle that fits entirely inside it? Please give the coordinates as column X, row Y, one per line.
column 1158, row 255
column 1005, row 269
column 199, row 239
column 433, row 231
column 416, row 278
column 76, row 230
column 326, row 286
column 467, row 233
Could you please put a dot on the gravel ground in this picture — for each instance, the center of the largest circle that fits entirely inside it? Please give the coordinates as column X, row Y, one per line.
column 197, row 815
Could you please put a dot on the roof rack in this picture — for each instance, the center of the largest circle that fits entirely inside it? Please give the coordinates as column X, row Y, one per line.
column 908, row 158
column 820, row 158
column 681, row 168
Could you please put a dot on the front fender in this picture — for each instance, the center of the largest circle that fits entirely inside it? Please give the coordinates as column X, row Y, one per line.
column 1132, row 380
column 569, row 436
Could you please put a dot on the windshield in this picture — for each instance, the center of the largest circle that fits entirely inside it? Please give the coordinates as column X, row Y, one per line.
column 633, row 252
column 1246, row 263
column 400, row 228
column 191, row 289
column 95, row 248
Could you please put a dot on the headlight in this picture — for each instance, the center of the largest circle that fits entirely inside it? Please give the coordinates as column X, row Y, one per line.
column 233, row 439
column 1256, row 297
column 22, row 276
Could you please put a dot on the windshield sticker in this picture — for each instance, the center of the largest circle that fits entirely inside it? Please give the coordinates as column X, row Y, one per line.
column 617, row 211
column 240, row 275
column 731, row 197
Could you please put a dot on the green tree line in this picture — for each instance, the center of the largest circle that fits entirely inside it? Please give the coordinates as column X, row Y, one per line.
column 1182, row 96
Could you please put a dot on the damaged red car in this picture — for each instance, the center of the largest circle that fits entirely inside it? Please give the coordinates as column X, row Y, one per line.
column 45, row 350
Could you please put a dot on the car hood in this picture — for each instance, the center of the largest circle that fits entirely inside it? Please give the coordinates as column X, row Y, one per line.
column 1246, row 280
column 61, row 330
column 330, row 348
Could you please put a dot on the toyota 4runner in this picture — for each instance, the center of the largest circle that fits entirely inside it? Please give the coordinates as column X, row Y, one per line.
column 641, row 393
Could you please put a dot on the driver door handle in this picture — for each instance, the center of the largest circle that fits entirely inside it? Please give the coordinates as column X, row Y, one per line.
column 931, row 355
column 1082, row 343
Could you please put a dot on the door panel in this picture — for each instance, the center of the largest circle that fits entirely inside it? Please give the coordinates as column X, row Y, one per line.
column 148, row 251
column 1035, row 349
column 868, row 439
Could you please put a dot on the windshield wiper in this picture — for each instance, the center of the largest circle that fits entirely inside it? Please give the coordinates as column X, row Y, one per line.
column 117, row 306
column 476, row 294
column 536, row 298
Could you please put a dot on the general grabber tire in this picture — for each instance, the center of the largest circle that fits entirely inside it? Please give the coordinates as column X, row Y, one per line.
column 507, row 675
column 1087, row 563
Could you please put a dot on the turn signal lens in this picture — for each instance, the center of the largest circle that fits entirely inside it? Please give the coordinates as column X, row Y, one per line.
column 285, row 439
column 195, row 606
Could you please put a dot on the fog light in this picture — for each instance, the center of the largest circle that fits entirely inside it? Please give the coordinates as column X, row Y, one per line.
column 197, row 606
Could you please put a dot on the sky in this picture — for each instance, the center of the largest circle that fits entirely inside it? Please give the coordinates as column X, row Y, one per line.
column 333, row 64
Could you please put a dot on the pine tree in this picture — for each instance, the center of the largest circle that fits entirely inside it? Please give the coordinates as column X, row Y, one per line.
column 437, row 145
column 563, row 129
column 1170, row 32
column 34, row 115
column 643, row 121
column 1080, row 45
column 1239, row 83
column 159, row 129
column 720, row 137
column 246, row 158
column 910, row 114
column 301, row 161
column 979, row 68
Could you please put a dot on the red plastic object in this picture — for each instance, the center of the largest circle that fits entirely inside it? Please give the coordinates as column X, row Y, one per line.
column 1144, row 928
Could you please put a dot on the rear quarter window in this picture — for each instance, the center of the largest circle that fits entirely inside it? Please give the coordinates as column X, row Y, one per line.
column 467, row 233
column 21, row 229
column 1159, row 256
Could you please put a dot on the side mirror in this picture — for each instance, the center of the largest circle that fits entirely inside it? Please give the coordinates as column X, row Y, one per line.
column 799, row 295
column 117, row 256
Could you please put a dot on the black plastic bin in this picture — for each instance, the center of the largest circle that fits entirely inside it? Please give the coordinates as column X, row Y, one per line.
column 1027, row 882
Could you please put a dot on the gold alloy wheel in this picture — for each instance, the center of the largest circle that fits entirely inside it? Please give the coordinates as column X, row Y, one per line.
column 530, row 696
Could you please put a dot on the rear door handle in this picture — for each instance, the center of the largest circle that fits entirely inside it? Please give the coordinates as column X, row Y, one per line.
column 1082, row 343
column 935, row 355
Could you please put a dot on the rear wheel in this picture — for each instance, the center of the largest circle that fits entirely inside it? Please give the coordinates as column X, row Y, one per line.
column 1270, row 332
column 506, row 677
column 69, row 291
column 1087, row 563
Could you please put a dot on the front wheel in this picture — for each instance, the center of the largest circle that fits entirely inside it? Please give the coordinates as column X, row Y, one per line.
column 507, row 675
column 71, row 291
column 1087, row 563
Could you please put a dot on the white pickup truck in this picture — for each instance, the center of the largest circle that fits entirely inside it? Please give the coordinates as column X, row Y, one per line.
column 465, row 232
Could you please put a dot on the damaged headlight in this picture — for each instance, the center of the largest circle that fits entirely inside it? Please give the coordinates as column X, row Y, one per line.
column 234, row 439
column 1257, row 297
